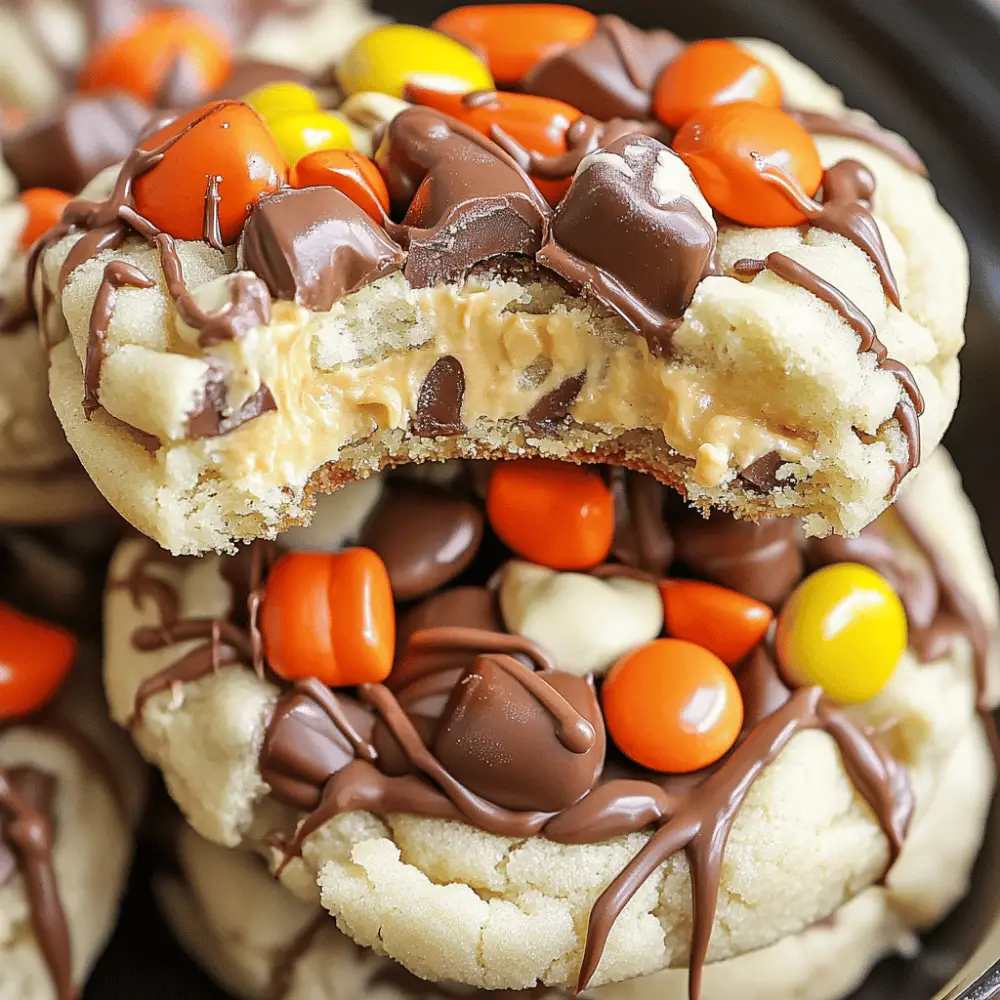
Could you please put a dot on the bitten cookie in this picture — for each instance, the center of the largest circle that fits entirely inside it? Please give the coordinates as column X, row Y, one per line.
column 259, row 942
column 71, row 793
column 689, row 728
column 760, row 307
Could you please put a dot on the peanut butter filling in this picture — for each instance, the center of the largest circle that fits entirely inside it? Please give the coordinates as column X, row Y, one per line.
column 511, row 359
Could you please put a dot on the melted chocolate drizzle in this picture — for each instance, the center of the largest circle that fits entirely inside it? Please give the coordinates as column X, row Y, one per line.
column 26, row 796
column 848, row 188
column 911, row 404
column 855, row 126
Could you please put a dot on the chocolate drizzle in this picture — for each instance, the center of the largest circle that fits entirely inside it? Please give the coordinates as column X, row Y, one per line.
column 26, row 798
column 848, row 188
column 700, row 823
column 117, row 275
column 852, row 125
column 911, row 403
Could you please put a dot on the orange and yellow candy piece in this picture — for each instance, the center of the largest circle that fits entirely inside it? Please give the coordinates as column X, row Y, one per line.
column 35, row 658
column 843, row 629
column 388, row 58
column 514, row 37
column 672, row 706
column 227, row 140
column 552, row 513
column 728, row 148
column 724, row 621
column 709, row 73
column 330, row 616
column 139, row 59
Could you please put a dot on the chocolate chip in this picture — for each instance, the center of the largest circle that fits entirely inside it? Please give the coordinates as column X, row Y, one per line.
column 439, row 403
column 762, row 476
column 553, row 408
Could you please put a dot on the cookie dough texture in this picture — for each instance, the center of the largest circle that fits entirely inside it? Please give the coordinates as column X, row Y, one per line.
column 757, row 367
column 93, row 838
column 46, row 34
column 453, row 903
column 250, row 933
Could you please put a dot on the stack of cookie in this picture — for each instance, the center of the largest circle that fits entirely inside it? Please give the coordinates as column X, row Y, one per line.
column 546, row 575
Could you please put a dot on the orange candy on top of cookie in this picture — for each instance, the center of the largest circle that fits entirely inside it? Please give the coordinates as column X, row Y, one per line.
column 226, row 141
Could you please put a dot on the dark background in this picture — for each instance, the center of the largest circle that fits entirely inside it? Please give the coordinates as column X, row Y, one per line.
column 928, row 69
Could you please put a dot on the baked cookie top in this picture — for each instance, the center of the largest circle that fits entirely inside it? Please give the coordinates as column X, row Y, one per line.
column 759, row 301
column 543, row 724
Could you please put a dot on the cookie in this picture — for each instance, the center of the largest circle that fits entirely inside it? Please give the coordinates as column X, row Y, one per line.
column 71, row 793
column 591, row 301
column 258, row 940
column 40, row 478
column 483, row 824
column 48, row 46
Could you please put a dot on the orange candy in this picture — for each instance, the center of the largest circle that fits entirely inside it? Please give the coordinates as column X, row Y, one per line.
column 329, row 616
column 724, row 621
column 35, row 658
column 552, row 513
column 140, row 59
column 45, row 208
column 350, row 172
column 514, row 37
column 710, row 73
column 225, row 139
column 672, row 706
column 728, row 147
column 539, row 124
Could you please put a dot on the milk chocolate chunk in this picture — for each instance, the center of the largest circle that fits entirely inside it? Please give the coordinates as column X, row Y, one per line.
column 67, row 147
column 425, row 537
column 761, row 560
column 465, row 607
column 314, row 245
column 639, row 249
column 303, row 747
column 462, row 199
column 500, row 741
column 612, row 74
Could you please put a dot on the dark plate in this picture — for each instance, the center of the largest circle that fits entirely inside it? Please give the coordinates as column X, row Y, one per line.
column 928, row 69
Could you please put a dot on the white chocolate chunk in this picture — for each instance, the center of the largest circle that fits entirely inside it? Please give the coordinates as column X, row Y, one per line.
column 585, row 623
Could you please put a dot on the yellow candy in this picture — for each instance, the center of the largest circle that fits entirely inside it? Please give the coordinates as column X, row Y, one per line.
column 277, row 100
column 298, row 135
column 387, row 58
column 843, row 628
